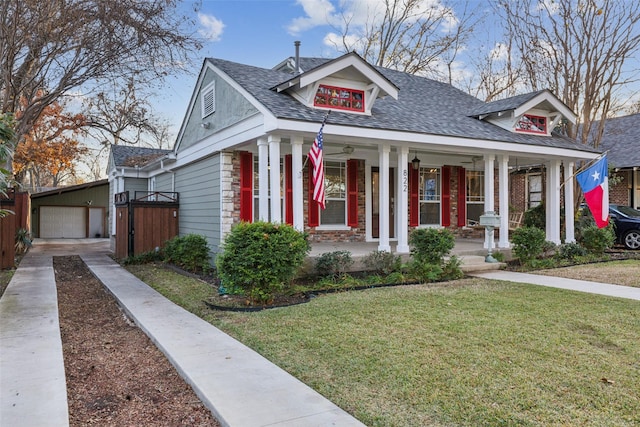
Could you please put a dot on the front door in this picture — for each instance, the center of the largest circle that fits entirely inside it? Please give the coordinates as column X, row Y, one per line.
column 375, row 202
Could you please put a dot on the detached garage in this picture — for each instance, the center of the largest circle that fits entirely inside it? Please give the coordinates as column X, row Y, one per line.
column 74, row 212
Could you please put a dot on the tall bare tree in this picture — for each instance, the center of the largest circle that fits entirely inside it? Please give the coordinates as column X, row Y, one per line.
column 117, row 114
column 414, row 36
column 580, row 49
column 49, row 48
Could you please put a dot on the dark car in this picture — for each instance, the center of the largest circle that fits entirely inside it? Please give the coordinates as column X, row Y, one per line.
column 627, row 225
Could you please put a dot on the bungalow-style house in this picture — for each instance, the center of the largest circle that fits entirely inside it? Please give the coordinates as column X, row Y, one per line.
column 621, row 141
column 400, row 152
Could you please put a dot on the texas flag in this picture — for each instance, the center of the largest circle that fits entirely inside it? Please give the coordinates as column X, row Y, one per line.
column 594, row 182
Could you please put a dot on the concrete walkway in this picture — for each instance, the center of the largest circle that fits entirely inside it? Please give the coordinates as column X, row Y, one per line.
column 562, row 283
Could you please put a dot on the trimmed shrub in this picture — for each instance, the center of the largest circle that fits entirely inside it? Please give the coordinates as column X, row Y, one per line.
column 451, row 269
column 570, row 251
column 535, row 217
column 528, row 243
column 143, row 258
column 597, row 240
column 190, row 252
column 383, row 262
column 261, row 259
column 431, row 245
column 333, row 264
column 425, row 272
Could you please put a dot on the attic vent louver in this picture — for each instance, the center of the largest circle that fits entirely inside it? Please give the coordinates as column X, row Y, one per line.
column 208, row 100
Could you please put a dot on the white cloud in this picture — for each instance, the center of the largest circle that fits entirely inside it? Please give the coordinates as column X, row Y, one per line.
column 212, row 27
column 499, row 52
column 318, row 13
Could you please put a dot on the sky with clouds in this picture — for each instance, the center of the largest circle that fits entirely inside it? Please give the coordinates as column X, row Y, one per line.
column 262, row 33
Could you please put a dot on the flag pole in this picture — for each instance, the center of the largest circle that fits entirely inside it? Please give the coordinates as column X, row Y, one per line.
column 306, row 159
column 583, row 167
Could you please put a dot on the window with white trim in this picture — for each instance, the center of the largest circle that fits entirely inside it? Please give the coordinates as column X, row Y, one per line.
column 534, row 190
column 256, row 189
column 208, row 99
column 429, row 194
column 532, row 124
column 475, row 195
column 335, row 179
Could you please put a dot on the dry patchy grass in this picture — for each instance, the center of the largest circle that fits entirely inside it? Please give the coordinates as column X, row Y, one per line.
column 626, row 273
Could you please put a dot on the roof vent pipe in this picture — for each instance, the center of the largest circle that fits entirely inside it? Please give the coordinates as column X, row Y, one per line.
column 297, row 63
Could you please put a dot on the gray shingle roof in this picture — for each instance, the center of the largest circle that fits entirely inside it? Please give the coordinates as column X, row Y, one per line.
column 505, row 104
column 424, row 106
column 130, row 156
column 622, row 138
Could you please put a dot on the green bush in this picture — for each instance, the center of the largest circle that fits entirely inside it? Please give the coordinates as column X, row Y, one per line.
column 535, row 217
column 382, row 262
column 451, row 269
column 528, row 243
column 431, row 245
column 261, row 259
column 333, row 264
column 425, row 272
column 597, row 240
column 189, row 252
column 570, row 251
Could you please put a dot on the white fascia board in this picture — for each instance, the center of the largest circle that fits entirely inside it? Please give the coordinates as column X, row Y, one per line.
column 546, row 96
column 439, row 142
column 321, row 72
column 249, row 130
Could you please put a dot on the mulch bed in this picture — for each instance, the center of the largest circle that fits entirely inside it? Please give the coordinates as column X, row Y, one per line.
column 115, row 375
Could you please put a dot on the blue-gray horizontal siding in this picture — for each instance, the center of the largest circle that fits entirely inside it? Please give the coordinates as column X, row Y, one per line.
column 198, row 185
column 135, row 184
column 163, row 183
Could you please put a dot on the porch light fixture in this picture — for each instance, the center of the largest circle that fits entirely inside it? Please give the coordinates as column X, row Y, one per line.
column 415, row 163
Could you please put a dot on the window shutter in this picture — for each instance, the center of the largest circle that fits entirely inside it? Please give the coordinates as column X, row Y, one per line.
column 288, row 189
column 462, row 197
column 246, row 187
column 352, row 193
column 414, row 176
column 314, row 210
column 446, row 196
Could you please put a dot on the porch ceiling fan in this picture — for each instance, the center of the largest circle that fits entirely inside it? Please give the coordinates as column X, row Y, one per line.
column 346, row 150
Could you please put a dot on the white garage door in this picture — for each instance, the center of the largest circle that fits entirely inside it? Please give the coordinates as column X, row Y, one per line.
column 62, row 222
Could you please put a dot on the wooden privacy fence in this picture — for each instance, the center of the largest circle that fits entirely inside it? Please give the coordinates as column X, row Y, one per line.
column 145, row 222
column 18, row 204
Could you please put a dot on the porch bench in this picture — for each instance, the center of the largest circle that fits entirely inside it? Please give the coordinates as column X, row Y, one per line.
column 515, row 220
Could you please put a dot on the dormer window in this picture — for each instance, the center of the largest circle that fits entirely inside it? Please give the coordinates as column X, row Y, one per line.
column 339, row 98
column 532, row 124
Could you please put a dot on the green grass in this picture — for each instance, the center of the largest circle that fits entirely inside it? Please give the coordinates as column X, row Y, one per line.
column 471, row 353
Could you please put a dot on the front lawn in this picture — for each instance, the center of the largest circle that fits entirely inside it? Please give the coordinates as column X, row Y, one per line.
column 625, row 273
column 471, row 352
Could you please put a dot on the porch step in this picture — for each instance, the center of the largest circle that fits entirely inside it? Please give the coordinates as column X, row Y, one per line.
column 474, row 263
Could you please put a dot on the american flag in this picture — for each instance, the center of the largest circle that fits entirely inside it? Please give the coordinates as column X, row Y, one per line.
column 317, row 180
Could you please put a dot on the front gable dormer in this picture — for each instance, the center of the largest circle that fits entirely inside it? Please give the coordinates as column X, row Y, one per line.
column 347, row 83
column 535, row 113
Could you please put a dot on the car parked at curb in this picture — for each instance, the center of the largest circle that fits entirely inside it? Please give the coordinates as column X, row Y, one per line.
column 627, row 225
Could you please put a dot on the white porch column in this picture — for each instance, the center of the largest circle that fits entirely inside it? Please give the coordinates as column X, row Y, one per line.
column 402, row 201
column 553, row 202
column 274, row 175
column 297, row 188
column 503, row 200
column 489, row 196
column 368, row 205
column 263, row 179
column 383, row 244
column 569, row 211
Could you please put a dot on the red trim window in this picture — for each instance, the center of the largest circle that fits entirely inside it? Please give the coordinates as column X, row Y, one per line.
column 532, row 124
column 339, row 98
